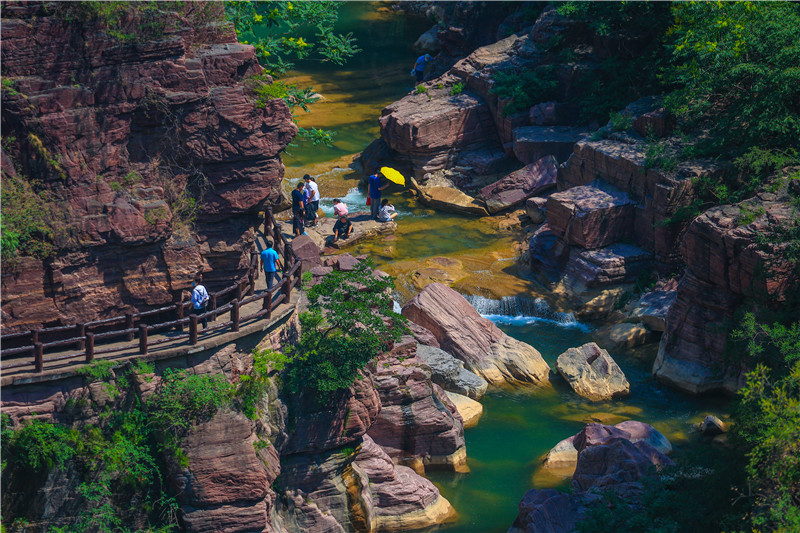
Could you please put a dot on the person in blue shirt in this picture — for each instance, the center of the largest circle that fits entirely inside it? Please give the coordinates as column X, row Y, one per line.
column 271, row 263
column 199, row 300
column 375, row 194
column 419, row 66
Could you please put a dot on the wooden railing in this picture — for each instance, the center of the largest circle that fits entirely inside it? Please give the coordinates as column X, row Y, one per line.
column 29, row 348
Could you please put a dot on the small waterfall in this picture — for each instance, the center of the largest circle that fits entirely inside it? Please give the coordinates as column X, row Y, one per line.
column 518, row 310
column 396, row 307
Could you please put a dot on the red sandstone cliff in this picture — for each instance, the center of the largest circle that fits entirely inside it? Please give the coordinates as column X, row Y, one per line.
column 121, row 133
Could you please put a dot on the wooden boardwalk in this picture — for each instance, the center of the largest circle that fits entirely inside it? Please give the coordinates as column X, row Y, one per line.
column 252, row 309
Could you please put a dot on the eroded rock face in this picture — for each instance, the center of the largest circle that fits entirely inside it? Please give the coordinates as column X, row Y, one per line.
column 226, row 484
column 476, row 341
column 417, row 424
column 127, row 128
column 590, row 217
column 592, row 373
column 724, row 265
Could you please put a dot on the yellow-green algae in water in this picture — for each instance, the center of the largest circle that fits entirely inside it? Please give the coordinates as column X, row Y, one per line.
column 476, row 256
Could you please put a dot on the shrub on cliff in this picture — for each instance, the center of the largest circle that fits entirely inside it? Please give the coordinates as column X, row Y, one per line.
column 348, row 323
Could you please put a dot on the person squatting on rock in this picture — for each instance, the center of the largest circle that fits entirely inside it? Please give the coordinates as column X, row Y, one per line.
column 339, row 208
column 271, row 264
column 387, row 212
column 375, row 195
column 419, row 66
column 343, row 228
column 313, row 200
column 199, row 299
column 298, row 210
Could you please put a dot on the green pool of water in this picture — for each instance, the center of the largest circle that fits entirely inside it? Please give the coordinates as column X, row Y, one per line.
column 519, row 427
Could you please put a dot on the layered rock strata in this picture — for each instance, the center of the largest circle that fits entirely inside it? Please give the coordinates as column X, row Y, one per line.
column 724, row 265
column 123, row 135
column 476, row 341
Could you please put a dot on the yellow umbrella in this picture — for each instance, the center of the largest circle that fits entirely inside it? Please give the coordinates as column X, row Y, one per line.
column 393, row 176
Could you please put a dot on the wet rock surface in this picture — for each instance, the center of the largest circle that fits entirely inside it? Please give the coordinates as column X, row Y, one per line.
column 450, row 374
column 476, row 341
column 512, row 190
column 592, row 373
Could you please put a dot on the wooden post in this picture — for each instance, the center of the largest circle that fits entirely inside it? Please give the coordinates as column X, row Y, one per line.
column 193, row 329
column 34, row 336
column 268, row 303
column 89, row 347
column 129, row 324
column 213, row 305
column 235, row 315
column 251, row 282
column 239, row 290
column 179, row 313
column 287, row 288
column 143, row 339
column 81, row 332
column 38, row 357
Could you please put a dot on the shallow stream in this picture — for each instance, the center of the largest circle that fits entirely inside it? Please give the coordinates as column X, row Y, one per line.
column 477, row 257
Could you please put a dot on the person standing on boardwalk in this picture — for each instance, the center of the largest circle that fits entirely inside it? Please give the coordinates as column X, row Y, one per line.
column 375, row 194
column 313, row 200
column 271, row 263
column 199, row 300
column 298, row 210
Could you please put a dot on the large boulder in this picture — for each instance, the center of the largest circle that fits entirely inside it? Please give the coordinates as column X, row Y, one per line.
column 450, row 374
column 591, row 217
column 618, row 464
column 548, row 511
column 611, row 265
column 476, row 341
column 592, row 373
column 402, row 499
column 515, row 188
column 417, row 425
column 469, row 410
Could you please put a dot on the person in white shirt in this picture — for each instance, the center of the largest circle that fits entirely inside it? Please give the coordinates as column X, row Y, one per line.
column 313, row 200
column 339, row 208
column 199, row 300
column 386, row 212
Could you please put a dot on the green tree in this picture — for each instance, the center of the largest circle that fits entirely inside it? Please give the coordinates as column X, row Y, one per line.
column 348, row 323
column 737, row 69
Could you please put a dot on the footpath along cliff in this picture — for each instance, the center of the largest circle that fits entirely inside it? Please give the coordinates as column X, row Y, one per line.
column 143, row 149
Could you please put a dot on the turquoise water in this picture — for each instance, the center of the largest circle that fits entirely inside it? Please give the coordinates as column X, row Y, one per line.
column 520, row 426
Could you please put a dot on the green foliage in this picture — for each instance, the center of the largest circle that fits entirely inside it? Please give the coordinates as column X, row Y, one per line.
column 183, row 399
column 283, row 32
column 620, row 121
column 28, row 225
column 748, row 214
column 456, row 89
column 8, row 87
column 349, row 321
column 775, row 345
column 768, row 424
column 525, row 88
column 39, row 444
column 659, row 155
column 97, row 370
column 420, row 89
column 317, row 136
column 736, row 66
column 253, row 387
